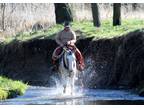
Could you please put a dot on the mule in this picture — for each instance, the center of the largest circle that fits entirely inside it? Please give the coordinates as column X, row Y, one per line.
column 68, row 69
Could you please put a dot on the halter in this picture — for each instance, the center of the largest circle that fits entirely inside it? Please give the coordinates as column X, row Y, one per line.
column 66, row 51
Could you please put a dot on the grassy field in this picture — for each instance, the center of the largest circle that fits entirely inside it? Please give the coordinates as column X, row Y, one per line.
column 107, row 30
column 10, row 88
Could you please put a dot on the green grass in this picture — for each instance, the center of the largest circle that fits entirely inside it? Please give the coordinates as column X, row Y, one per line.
column 107, row 30
column 10, row 88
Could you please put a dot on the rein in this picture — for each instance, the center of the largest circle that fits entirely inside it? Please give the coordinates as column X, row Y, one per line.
column 64, row 58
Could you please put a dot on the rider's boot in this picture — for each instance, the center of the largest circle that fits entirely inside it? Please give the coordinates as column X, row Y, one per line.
column 54, row 68
column 80, row 67
column 55, row 65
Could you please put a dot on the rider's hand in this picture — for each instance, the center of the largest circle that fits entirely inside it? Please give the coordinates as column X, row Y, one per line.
column 69, row 43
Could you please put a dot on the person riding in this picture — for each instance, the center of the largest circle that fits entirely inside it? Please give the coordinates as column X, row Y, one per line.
column 67, row 38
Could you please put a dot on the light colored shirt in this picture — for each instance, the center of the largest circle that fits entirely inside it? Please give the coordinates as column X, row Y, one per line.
column 64, row 36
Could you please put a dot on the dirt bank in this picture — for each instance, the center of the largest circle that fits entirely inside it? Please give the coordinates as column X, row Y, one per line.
column 116, row 62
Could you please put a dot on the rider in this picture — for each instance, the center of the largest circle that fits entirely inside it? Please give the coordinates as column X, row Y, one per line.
column 67, row 37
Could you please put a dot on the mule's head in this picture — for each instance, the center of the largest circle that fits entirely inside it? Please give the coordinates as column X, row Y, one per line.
column 70, row 60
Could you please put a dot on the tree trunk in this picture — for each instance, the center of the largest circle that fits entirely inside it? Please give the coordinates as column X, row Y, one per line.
column 3, row 5
column 116, row 14
column 63, row 12
column 134, row 6
column 95, row 14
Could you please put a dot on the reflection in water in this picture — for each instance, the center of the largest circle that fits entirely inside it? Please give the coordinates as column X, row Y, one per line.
column 53, row 96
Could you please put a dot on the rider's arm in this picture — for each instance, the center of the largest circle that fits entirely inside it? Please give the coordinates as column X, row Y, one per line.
column 58, row 39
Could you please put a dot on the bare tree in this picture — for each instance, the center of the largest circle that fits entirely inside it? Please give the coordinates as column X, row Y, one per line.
column 3, row 6
column 63, row 12
column 116, row 14
column 95, row 14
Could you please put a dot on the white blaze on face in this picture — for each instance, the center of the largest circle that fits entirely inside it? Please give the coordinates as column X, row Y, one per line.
column 71, row 62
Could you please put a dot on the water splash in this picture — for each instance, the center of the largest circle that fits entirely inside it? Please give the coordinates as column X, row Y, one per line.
column 77, row 91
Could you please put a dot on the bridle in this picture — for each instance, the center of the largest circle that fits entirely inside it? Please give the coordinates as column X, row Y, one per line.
column 69, row 51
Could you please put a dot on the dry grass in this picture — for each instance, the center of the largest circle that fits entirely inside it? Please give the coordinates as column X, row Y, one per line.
column 22, row 17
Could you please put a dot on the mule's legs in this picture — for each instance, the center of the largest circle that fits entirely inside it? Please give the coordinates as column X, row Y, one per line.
column 72, row 87
column 64, row 85
column 72, row 84
column 64, row 88
column 64, row 80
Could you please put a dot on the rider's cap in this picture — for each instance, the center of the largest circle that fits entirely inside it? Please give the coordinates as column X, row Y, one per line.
column 66, row 24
